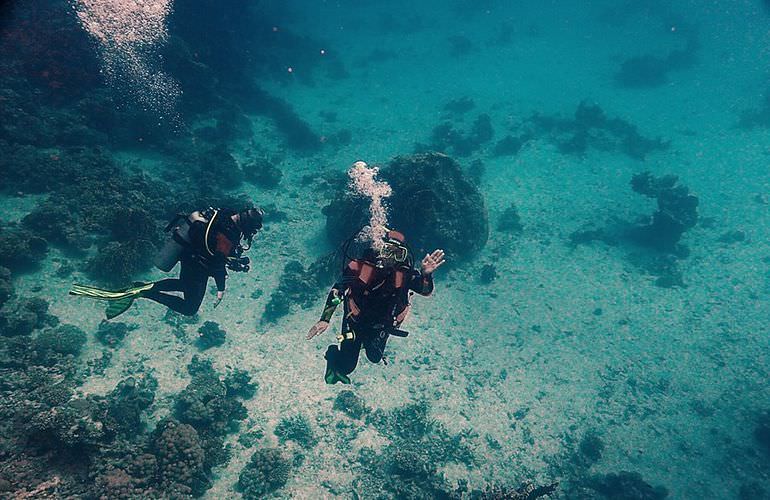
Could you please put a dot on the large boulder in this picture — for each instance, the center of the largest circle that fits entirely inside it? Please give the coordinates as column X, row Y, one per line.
column 433, row 203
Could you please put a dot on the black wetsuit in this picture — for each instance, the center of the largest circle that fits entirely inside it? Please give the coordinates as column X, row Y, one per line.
column 371, row 311
column 197, row 265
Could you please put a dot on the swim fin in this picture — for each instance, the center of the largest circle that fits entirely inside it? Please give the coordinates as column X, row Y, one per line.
column 119, row 300
column 102, row 294
column 117, row 307
column 331, row 377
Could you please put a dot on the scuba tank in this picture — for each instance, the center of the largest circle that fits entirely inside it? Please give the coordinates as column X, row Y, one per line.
column 178, row 242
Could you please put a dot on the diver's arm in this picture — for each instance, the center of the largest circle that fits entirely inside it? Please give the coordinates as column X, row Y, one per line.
column 421, row 283
column 332, row 301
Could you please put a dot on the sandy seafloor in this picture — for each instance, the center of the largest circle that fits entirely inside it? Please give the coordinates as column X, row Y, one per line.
column 672, row 379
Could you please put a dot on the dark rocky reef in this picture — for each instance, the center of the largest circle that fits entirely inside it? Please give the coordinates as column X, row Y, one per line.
column 433, row 203
column 677, row 211
column 654, row 242
column 447, row 139
column 459, row 106
column 592, row 129
column 626, row 485
column 510, row 221
column 648, row 70
column 756, row 118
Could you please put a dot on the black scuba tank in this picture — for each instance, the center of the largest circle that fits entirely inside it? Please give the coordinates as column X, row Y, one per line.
column 178, row 241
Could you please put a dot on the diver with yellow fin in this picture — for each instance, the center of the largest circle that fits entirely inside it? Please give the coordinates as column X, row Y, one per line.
column 206, row 243
column 375, row 291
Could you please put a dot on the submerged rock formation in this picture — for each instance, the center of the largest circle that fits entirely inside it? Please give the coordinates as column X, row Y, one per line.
column 433, row 203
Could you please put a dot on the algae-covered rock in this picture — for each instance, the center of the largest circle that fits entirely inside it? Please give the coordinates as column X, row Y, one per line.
column 433, row 203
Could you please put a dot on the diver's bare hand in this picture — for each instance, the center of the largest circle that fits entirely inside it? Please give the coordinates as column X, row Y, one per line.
column 218, row 300
column 317, row 329
column 433, row 261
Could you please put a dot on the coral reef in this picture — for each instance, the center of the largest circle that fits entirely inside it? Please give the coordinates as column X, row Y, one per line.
column 296, row 428
column 446, row 138
column 297, row 287
column 238, row 384
column 267, row 471
column 510, row 221
column 591, row 128
column 351, row 404
column 433, row 204
column 21, row 250
column 116, row 263
column 112, row 333
column 210, row 335
column 677, row 211
column 6, row 286
column 510, row 145
column 756, row 118
column 261, row 172
column 408, row 466
column 647, row 71
column 130, row 398
column 180, row 458
column 24, row 315
column 626, row 485
column 654, row 243
column 63, row 340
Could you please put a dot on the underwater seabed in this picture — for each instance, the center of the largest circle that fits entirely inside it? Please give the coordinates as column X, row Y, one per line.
column 563, row 351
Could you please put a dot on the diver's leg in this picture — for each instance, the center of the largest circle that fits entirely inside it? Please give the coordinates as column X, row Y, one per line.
column 342, row 359
column 192, row 283
column 375, row 346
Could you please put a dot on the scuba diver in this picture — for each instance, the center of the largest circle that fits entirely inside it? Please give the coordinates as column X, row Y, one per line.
column 375, row 292
column 206, row 243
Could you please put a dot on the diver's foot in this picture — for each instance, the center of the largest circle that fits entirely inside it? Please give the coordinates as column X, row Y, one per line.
column 331, row 377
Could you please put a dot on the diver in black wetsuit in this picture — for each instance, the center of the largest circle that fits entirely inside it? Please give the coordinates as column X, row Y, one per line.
column 375, row 292
column 213, row 246
column 206, row 244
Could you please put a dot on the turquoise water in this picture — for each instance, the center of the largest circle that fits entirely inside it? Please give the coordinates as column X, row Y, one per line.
column 594, row 326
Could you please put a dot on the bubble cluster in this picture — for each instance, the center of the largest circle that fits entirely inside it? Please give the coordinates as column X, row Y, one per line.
column 363, row 182
column 128, row 34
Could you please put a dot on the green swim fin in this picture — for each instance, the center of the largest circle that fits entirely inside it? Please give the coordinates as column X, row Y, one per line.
column 331, row 377
column 117, row 307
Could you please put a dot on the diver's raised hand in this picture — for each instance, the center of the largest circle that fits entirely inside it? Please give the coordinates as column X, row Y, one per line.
column 433, row 261
column 317, row 329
